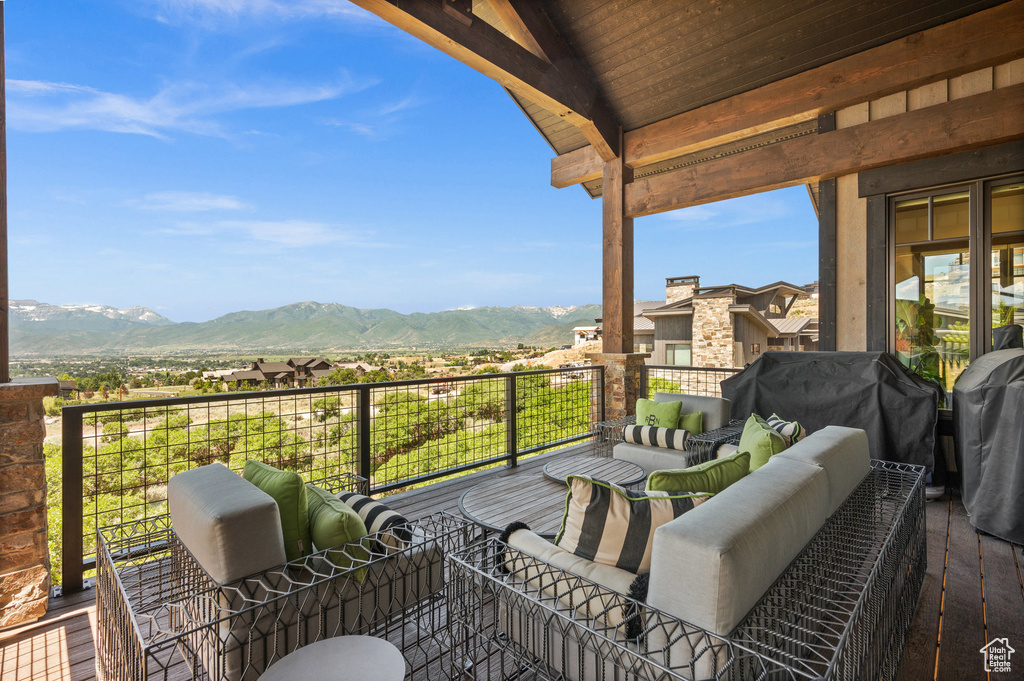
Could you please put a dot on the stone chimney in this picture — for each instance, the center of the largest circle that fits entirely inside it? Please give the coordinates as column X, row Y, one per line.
column 680, row 288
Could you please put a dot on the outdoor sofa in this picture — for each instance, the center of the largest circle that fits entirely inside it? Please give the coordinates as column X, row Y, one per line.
column 210, row 595
column 809, row 567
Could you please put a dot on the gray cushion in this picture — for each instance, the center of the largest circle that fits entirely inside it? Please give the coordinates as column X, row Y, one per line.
column 231, row 527
column 728, row 551
column 715, row 409
column 842, row 452
column 652, row 458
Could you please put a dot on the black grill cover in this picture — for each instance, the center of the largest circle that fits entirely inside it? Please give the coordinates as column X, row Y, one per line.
column 988, row 423
column 868, row 390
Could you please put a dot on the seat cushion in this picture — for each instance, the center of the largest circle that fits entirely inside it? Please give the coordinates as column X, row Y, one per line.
column 714, row 410
column 231, row 527
column 711, row 476
column 842, row 452
column 289, row 491
column 731, row 549
column 608, row 525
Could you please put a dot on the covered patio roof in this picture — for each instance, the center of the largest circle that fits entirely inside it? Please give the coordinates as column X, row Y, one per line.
column 656, row 106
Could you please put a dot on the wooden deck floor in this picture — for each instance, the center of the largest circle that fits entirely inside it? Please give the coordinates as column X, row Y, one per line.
column 973, row 593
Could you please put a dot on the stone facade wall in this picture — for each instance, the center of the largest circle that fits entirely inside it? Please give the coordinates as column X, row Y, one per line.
column 713, row 333
column 24, row 557
column 676, row 291
column 622, row 376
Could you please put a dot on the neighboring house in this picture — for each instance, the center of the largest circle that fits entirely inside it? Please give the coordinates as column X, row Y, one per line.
column 361, row 368
column 297, row 372
column 721, row 326
column 585, row 334
column 68, row 390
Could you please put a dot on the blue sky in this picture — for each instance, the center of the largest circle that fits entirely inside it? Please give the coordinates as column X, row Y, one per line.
column 204, row 156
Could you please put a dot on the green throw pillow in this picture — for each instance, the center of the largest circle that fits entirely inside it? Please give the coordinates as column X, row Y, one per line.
column 711, row 476
column 760, row 440
column 693, row 422
column 289, row 491
column 660, row 414
column 333, row 523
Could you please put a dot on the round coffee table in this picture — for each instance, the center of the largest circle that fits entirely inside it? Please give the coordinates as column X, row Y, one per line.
column 340, row 658
column 605, row 468
column 538, row 500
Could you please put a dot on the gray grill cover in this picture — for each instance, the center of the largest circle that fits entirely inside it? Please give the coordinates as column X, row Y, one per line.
column 868, row 390
column 988, row 422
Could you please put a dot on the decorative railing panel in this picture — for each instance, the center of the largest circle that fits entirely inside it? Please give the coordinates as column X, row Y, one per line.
column 118, row 457
column 689, row 380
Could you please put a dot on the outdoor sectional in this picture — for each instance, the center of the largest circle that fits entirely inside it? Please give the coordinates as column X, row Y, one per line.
column 809, row 567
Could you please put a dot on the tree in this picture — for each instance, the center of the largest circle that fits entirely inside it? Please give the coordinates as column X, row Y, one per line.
column 340, row 377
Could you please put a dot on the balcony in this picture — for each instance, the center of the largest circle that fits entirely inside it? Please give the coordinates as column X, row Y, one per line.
column 480, row 429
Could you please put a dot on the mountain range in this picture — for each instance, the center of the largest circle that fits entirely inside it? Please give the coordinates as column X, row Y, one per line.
column 43, row 329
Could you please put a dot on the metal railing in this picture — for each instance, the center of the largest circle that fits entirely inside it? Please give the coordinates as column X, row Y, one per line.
column 681, row 379
column 118, row 457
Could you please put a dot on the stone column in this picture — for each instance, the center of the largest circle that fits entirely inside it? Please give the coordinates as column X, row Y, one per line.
column 24, row 556
column 712, row 345
column 622, row 373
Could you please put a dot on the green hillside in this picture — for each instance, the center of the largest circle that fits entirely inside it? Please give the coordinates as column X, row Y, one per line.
column 311, row 326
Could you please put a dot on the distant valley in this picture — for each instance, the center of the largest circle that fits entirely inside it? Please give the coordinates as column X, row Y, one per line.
column 41, row 329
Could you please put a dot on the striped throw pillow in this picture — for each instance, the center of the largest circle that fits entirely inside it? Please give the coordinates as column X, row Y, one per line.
column 606, row 524
column 670, row 438
column 791, row 431
column 379, row 518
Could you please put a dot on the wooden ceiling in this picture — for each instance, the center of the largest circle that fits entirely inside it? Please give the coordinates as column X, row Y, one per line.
column 654, row 59
column 667, row 84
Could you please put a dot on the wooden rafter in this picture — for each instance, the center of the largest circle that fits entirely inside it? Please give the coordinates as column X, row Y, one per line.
column 983, row 39
column 558, row 83
column 980, row 120
column 531, row 27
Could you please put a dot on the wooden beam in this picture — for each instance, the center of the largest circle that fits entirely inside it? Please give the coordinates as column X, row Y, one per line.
column 617, row 295
column 486, row 49
column 531, row 26
column 980, row 120
column 983, row 39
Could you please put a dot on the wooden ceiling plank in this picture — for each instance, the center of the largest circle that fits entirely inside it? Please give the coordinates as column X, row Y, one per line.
column 781, row 48
column 982, row 39
column 981, row 120
column 482, row 47
column 527, row 18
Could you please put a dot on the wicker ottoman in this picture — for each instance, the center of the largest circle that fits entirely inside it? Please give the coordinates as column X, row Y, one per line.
column 340, row 659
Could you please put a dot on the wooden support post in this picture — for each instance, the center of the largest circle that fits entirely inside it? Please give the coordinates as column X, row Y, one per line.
column 617, row 311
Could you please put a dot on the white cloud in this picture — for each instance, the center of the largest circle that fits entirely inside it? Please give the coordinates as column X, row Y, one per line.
column 279, row 233
column 745, row 210
column 184, row 107
column 209, row 12
column 384, row 118
column 188, row 202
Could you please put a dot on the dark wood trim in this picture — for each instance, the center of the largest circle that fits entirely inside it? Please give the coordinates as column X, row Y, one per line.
column 617, row 298
column 972, row 122
column 877, row 292
column 982, row 39
column 827, row 265
column 480, row 46
column 5, row 348
column 949, row 169
column 530, row 25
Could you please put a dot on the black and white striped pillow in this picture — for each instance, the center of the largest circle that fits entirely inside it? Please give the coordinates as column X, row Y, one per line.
column 379, row 518
column 791, row 431
column 669, row 438
column 606, row 524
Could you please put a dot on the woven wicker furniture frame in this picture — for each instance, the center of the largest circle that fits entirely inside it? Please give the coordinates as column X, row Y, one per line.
column 160, row 617
column 841, row 610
